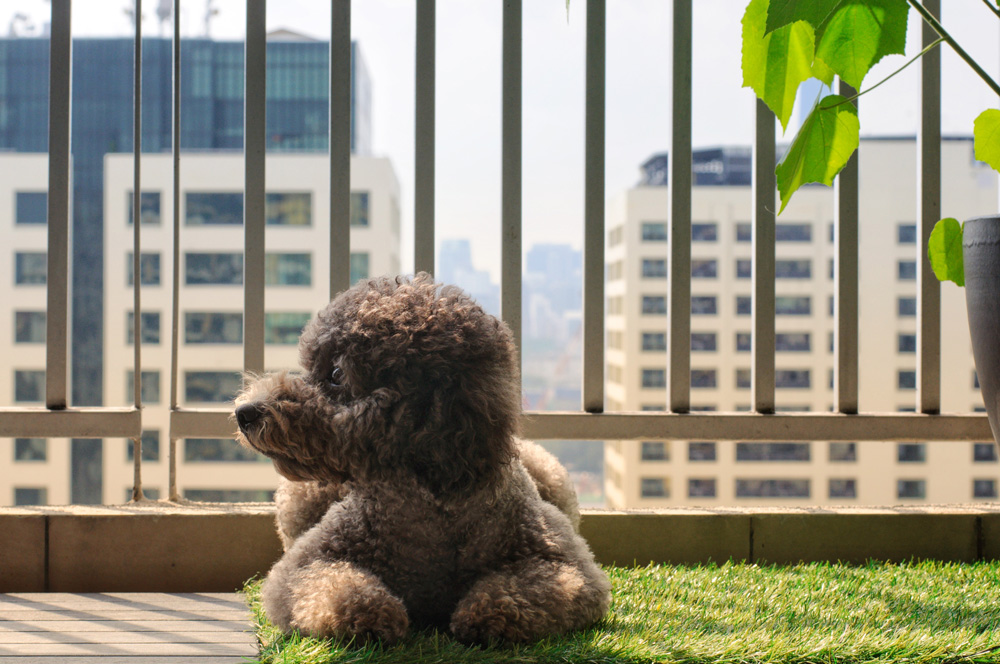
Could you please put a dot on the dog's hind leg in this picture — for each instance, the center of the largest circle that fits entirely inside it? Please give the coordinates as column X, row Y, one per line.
column 333, row 599
column 551, row 479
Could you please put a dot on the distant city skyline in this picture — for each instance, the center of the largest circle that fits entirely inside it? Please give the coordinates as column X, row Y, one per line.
column 638, row 109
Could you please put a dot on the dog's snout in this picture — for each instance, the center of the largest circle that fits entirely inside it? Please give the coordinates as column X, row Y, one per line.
column 247, row 414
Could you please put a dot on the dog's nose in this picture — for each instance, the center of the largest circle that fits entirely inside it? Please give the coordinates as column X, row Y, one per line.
column 247, row 414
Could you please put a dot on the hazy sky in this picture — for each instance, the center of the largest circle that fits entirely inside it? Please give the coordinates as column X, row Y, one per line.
column 638, row 115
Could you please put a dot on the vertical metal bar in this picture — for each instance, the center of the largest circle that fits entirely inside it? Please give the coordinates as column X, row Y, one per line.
column 423, row 195
column 593, row 222
column 764, row 181
column 846, row 285
column 510, row 213
column 679, row 367
column 254, row 141
column 175, row 156
column 928, row 212
column 137, row 247
column 57, row 277
column 340, row 146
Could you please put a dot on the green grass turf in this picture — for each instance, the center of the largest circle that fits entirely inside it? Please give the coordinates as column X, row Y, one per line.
column 734, row 613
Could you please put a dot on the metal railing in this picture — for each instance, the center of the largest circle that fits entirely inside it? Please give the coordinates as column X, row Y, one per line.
column 762, row 424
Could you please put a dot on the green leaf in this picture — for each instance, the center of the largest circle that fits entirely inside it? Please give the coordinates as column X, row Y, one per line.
column 783, row 12
column 774, row 65
column 825, row 142
column 986, row 134
column 944, row 250
column 858, row 33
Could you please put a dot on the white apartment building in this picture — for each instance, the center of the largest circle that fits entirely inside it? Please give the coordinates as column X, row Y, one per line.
column 210, row 322
column 672, row 472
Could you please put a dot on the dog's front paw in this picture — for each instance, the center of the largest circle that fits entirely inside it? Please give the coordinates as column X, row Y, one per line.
column 340, row 600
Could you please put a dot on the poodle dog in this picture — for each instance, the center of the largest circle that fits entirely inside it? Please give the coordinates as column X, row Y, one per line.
column 407, row 497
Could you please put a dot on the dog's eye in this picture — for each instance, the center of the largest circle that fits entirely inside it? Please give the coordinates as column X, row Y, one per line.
column 336, row 376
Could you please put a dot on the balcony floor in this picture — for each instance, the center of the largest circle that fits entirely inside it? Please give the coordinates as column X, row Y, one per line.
column 113, row 628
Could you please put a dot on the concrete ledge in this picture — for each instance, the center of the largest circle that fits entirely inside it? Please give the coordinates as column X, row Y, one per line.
column 166, row 547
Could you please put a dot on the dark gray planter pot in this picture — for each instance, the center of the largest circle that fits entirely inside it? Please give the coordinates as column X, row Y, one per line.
column 981, row 254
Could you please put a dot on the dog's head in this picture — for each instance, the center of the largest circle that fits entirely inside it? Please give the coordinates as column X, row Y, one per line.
column 401, row 376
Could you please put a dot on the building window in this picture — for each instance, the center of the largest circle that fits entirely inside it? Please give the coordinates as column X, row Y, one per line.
column 288, row 270
column 911, row 453
column 359, row 208
column 707, row 231
column 797, row 379
column 29, row 327
column 784, row 488
column 149, row 207
column 359, row 267
column 289, row 208
column 744, row 268
column 29, row 385
column 30, row 268
column 744, row 232
column 906, row 234
column 219, row 450
column 31, row 207
column 284, row 328
column 793, row 305
column 975, row 379
column 984, row 452
column 212, row 208
column 793, row 269
column 906, row 270
column 743, row 379
column 654, row 231
column 213, row 327
column 906, row 343
column 701, row 451
column 703, row 341
column 30, row 449
column 148, row 492
column 653, row 451
column 149, row 268
column 843, row 488
column 654, row 304
column 743, row 307
column 654, row 268
column 649, row 408
column 772, row 452
column 792, row 342
column 211, row 386
column 911, row 489
column 704, row 268
column 654, row 378
column 703, row 378
column 984, row 488
column 30, row 496
column 743, row 341
column 701, row 487
column 150, row 327
column 229, row 495
column 213, row 269
column 906, row 380
column 150, row 386
column 704, row 305
column 843, row 452
column 150, row 447
column 906, row 307
column 793, row 233
column 653, row 487
column 654, row 341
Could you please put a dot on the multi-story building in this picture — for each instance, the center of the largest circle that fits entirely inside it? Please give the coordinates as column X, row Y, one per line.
column 211, row 119
column 673, row 472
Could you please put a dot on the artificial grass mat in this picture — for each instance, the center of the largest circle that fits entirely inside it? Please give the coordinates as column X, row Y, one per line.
column 734, row 613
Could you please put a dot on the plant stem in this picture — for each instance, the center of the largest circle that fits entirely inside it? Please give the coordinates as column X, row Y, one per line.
column 990, row 5
column 938, row 28
column 909, row 62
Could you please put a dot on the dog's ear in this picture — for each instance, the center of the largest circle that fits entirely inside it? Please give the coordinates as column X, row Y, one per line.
column 464, row 433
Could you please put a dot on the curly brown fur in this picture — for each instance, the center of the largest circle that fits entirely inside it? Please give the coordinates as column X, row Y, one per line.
column 408, row 497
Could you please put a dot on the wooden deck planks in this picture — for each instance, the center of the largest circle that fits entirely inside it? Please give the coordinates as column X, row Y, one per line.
column 138, row 628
